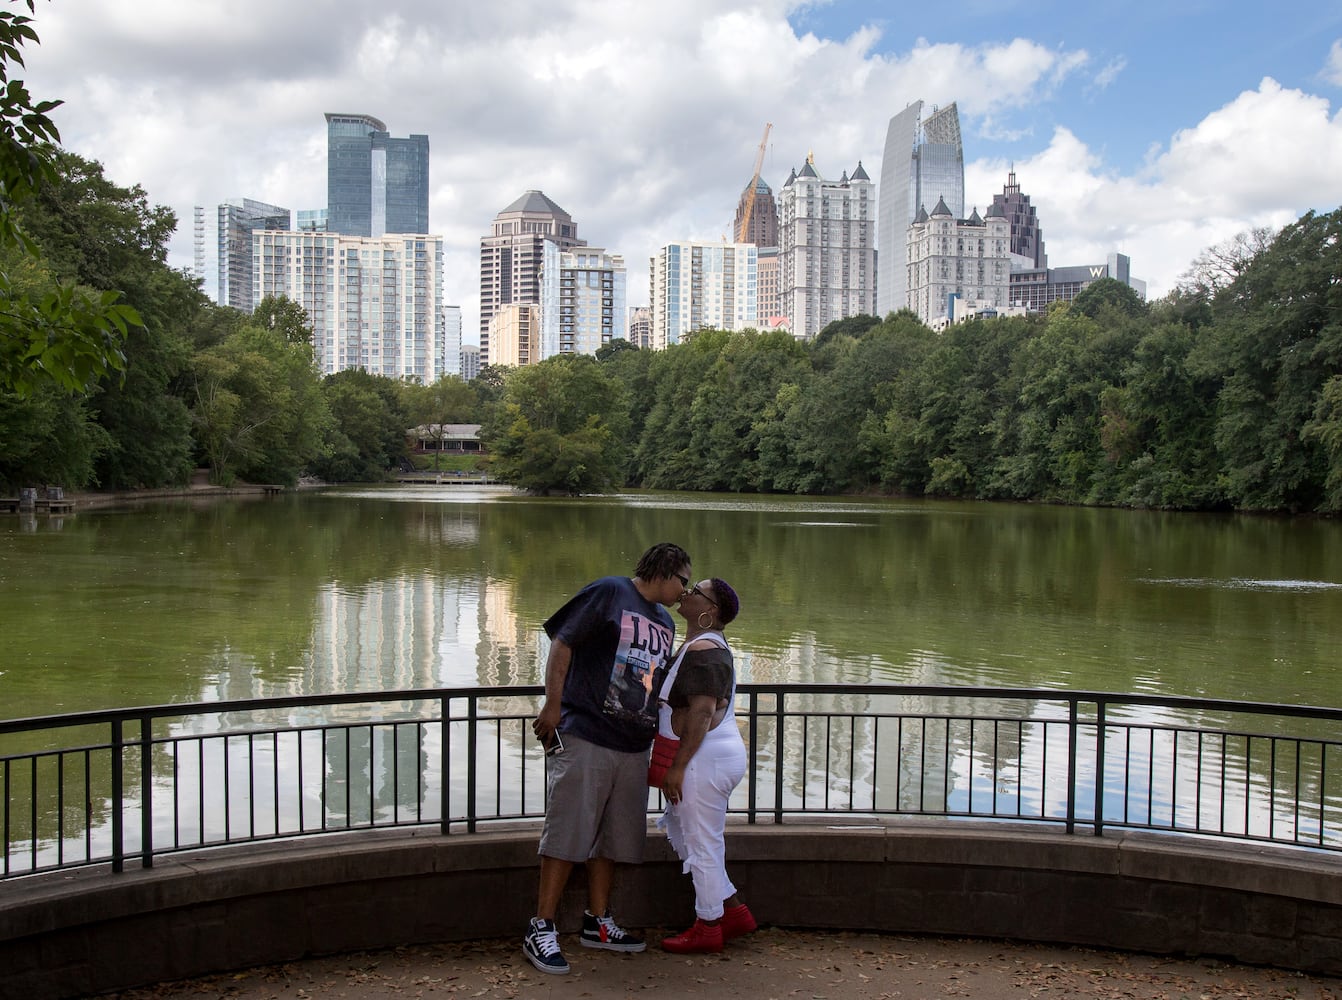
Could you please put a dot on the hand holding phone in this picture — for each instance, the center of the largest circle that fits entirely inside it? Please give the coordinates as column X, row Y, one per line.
column 553, row 745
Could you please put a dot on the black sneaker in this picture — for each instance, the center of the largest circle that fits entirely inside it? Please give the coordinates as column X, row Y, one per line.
column 541, row 946
column 604, row 932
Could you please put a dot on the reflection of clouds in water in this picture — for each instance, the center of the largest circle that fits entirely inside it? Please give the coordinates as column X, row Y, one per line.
column 1241, row 583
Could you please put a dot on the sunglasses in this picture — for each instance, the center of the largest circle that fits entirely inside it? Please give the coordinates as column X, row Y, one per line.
column 695, row 590
column 684, row 580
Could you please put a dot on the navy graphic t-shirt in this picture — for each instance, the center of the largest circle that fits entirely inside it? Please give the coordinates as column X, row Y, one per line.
column 618, row 641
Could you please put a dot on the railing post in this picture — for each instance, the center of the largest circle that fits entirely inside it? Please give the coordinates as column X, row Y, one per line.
column 1099, row 767
column 118, row 796
column 752, row 753
column 1073, row 738
column 146, row 793
column 472, row 724
column 445, row 765
column 778, row 757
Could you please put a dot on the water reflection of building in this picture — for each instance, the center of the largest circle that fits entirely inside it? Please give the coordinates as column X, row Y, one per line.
column 510, row 649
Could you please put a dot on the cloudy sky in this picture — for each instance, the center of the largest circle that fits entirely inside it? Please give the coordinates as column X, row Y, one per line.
column 1153, row 129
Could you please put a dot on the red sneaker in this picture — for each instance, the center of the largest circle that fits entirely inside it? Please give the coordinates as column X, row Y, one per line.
column 701, row 937
column 737, row 921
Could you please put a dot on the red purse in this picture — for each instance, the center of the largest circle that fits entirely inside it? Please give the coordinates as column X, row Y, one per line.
column 663, row 756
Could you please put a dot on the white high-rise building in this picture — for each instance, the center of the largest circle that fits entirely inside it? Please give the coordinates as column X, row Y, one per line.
column 957, row 267
column 924, row 163
column 374, row 303
column 827, row 249
column 700, row 285
column 582, row 300
column 514, row 330
column 451, row 352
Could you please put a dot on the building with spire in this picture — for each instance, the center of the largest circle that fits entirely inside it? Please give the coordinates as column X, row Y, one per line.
column 1027, row 236
column 762, row 226
column 924, row 163
column 956, row 266
column 375, row 184
column 827, row 249
column 512, row 255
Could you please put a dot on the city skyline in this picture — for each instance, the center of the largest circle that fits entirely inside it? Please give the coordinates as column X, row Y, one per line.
column 1152, row 133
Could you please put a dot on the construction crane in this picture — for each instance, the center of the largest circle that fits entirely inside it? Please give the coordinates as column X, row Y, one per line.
column 743, row 231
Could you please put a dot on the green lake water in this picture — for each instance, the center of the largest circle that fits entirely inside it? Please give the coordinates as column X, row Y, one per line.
column 395, row 588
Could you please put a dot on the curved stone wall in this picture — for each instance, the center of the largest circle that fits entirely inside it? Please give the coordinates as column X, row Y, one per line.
column 84, row 932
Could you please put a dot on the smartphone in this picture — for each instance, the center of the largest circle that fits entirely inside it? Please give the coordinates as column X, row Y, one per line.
column 554, row 745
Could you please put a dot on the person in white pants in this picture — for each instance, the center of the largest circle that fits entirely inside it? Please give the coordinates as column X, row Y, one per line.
column 695, row 706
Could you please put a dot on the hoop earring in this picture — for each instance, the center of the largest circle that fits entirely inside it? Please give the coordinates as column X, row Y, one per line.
column 705, row 624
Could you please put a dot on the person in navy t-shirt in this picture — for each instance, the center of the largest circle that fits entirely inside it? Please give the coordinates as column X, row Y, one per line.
column 606, row 644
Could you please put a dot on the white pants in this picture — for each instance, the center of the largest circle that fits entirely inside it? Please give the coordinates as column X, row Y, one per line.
column 696, row 825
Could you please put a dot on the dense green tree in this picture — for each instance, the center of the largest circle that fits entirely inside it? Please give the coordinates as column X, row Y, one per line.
column 282, row 315
column 1276, row 344
column 48, row 438
column 51, row 328
column 663, row 458
column 258, row 407
column 562, row 427
column 366, row 436
column 104, row 236
column 858, row 381
column 725, row 413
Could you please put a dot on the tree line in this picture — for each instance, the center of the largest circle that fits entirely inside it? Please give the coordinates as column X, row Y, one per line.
column 1224, row 395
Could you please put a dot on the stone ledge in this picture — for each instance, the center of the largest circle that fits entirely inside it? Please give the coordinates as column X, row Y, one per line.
column 90, row 931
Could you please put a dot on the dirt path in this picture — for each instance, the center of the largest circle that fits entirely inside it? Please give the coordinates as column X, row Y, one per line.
column 769, row 964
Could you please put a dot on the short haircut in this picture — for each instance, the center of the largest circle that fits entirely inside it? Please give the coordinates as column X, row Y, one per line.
column 729, row 605
column 661, row 562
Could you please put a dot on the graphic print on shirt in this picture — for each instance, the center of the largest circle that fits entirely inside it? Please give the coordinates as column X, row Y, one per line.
column 644, row 646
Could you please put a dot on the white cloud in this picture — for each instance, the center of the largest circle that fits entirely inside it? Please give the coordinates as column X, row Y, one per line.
column 639, row 119
column 1262, row 160
column 1332, row 70
column 1110, row 72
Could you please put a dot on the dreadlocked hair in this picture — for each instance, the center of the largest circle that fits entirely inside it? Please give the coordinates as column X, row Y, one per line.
column 661, row 562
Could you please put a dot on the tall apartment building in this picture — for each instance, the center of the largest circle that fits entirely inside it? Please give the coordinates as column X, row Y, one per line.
column 1027, row 237
column 511, row 256
column 762, row 227
column 582, row 300
column 375, row 184
column 470, row 361
column 770, row 290
column 374, row 303
column 451, row 353
column 238, row 219
column 640, row 326
column 924, row 163
column 514, row 335
column 827, row 249
column 956, row 265
column 699, row 285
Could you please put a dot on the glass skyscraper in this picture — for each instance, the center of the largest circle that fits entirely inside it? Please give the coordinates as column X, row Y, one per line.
column 924, row 162
column 238, row 219
column 375, row 184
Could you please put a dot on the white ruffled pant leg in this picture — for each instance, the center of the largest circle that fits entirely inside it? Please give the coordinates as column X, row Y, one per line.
column 696, row 826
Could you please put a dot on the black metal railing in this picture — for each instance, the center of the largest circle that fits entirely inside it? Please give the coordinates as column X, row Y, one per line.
column 116, row 786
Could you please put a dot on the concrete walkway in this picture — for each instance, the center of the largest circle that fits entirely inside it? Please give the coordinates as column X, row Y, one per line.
column 772, row 963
